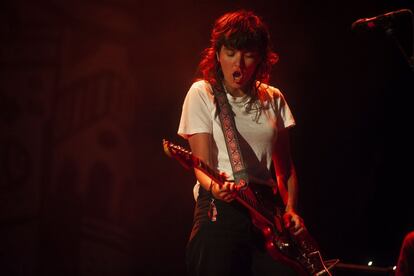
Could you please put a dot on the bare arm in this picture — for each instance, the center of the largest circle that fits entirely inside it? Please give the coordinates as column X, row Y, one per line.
column 200, row 145
column 286, row 178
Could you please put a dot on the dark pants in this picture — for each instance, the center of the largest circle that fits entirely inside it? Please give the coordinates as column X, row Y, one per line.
column 216, row 250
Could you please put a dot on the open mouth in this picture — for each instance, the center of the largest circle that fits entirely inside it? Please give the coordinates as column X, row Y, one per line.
column 237, row 76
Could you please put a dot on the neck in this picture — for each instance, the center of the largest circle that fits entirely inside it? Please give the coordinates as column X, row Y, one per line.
column 235, row 92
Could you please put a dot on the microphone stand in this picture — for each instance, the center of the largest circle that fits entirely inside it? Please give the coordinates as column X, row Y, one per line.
column 390, row 32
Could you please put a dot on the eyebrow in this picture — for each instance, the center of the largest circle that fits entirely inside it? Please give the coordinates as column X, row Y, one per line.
column 229, row 48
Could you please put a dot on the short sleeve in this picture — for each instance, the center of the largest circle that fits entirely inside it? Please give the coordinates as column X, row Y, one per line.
column 284, row 115
column 196, row 111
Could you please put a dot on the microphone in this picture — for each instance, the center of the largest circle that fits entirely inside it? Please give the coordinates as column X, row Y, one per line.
column 380, row 20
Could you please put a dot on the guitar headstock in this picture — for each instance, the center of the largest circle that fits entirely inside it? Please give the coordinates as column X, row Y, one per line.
column 183, row 156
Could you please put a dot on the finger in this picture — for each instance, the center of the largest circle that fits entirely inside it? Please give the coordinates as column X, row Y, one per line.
column 223, row 194
column 232, row 195
column 296, row 223
column 230, row 186
column 226, row 199
column 229, row 197
column 296, row 232
column 287, row 220
column 225, row 175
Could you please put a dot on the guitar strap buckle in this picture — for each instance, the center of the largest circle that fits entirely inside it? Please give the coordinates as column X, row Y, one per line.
column 241, row 178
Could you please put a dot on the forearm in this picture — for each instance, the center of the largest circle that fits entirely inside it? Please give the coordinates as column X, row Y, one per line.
column 204, row 180
column 200, row 147
column 287, row 183
column 292, row 186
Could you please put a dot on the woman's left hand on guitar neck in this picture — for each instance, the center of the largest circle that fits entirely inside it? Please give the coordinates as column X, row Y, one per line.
column 293, row 221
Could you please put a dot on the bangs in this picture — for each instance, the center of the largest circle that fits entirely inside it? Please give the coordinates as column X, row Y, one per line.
column 245, row 40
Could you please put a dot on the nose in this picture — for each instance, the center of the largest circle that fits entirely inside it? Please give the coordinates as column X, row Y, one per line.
column 239, row 59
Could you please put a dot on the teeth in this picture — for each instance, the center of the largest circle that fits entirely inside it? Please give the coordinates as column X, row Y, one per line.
column 237, row 76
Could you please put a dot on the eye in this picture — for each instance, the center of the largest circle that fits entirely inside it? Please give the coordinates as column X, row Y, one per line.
column 230, row 53
column 251, row 55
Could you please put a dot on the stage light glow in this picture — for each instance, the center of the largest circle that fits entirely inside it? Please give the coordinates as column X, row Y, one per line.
column 370, row 263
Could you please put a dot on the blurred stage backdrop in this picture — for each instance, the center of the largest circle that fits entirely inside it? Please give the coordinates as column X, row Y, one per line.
column 89, row 89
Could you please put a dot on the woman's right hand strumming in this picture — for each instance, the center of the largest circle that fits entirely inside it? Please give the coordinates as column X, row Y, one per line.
column 225, row 192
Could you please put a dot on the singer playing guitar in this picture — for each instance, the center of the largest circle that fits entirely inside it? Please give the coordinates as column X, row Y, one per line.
column 227, row 237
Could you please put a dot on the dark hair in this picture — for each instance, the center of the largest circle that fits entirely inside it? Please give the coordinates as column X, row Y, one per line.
column 242, row 30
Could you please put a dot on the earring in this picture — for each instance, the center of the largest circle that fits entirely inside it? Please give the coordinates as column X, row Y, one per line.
column 217, row 56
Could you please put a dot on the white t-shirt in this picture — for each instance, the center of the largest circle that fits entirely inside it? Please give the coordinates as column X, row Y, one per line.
column 257, row 134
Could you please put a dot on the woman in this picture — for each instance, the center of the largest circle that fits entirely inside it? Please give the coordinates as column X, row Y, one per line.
column 223, row 240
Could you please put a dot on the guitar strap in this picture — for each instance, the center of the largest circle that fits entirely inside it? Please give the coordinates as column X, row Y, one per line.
column 228, row 125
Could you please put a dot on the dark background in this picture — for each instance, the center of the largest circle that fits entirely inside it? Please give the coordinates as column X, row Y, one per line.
column 90, row 88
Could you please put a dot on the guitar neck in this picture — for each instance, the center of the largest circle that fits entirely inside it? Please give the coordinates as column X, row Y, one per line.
column 200, row 165
column 245, row 196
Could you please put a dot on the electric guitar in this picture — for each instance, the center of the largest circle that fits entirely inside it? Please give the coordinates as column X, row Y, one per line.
column 296, row 249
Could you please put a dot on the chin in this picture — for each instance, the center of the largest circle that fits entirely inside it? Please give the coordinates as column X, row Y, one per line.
column 234, row 84
column 237, row 85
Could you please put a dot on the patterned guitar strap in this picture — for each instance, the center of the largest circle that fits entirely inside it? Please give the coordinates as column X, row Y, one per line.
column 228, row 125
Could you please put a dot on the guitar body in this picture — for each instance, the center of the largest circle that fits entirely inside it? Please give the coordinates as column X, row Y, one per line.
column 295, row 249
column 271, row 241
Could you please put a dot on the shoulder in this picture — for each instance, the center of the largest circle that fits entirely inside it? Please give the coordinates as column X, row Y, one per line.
column 201, row 87
column 270, row 93
column 200, row 92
